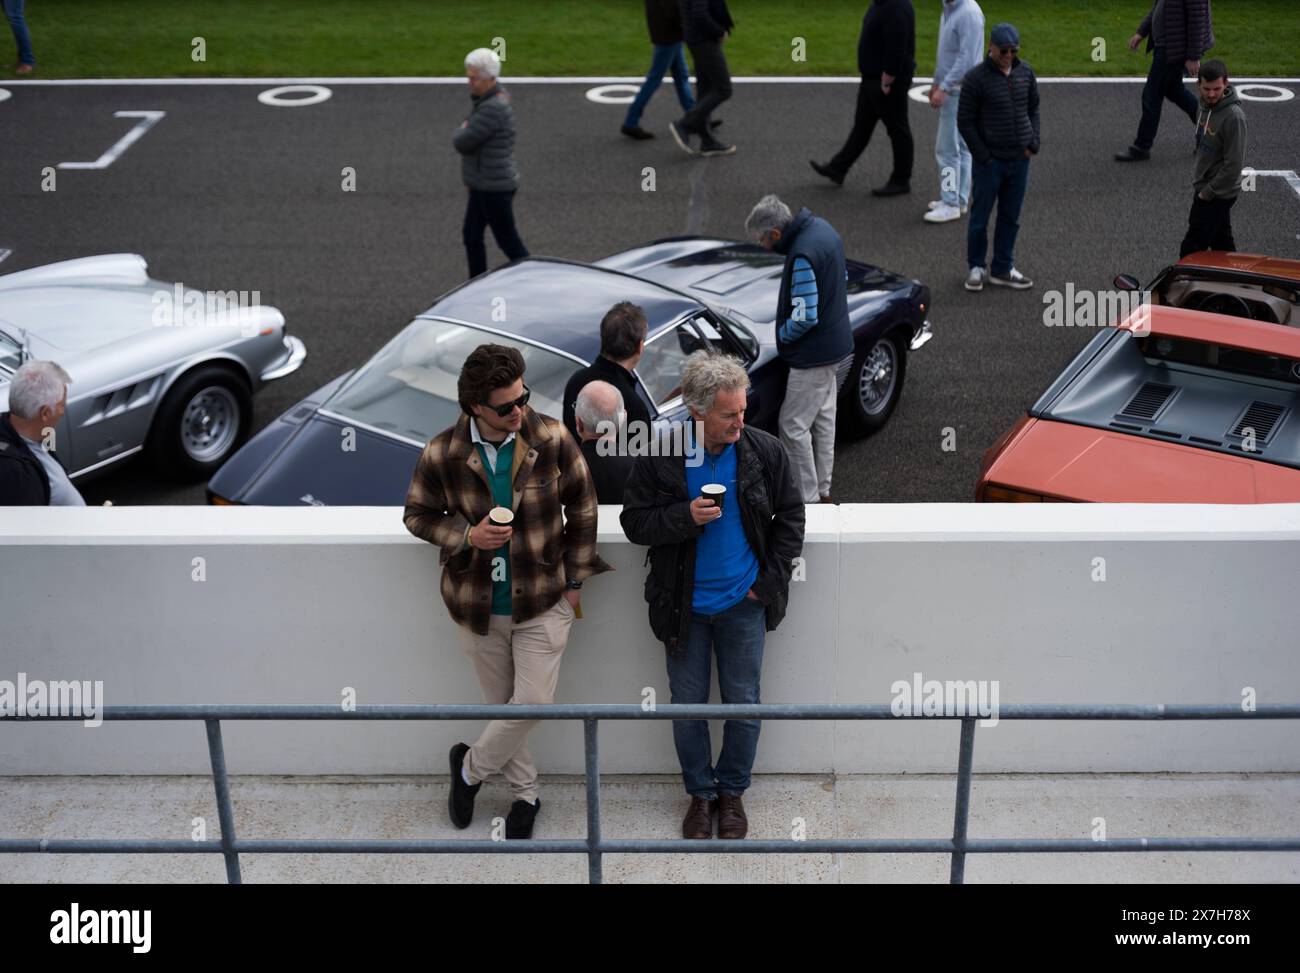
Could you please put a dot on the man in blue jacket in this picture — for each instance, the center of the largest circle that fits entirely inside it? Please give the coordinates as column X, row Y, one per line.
column 813, row 335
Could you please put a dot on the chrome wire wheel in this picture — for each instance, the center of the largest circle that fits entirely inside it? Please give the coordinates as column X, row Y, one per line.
column 877, row 377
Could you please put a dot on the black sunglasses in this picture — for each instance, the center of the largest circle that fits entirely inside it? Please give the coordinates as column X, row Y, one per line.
column 504, row 410
column 1009, row 50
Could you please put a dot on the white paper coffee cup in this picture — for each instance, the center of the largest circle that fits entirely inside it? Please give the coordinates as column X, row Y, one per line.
column 501, row 516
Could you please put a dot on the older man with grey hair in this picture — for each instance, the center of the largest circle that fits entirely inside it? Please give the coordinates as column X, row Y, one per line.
column 813, row 335
column 30, row 471
column 486, row 141
column 602, row 422
column 719, row 575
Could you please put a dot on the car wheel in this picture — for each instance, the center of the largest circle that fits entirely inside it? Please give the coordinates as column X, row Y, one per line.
column 874, row 384
column 202, row 421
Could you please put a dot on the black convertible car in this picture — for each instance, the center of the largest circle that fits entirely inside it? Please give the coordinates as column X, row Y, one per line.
column 696, row 292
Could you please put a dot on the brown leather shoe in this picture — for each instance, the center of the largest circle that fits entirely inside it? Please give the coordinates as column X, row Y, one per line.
column 698, row 822
column 732, row 822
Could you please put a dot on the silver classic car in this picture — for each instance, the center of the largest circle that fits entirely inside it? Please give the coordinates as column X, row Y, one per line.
column 157, row 368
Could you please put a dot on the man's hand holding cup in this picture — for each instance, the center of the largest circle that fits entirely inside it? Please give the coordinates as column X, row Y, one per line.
column 708, row 505
column 494, row 530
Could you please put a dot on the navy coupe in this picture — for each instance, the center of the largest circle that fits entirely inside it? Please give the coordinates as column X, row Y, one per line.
column 356, row 439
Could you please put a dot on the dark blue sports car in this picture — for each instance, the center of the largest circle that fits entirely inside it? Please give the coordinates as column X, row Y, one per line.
column 355, row 440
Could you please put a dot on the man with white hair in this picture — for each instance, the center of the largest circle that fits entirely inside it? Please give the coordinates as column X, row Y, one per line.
column 486, row 141
column 719, row 575
column 813, row 335
column 600, row 418
column 30, row 473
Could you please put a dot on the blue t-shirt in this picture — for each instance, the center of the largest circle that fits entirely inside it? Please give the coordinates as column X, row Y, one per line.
column 725, row 565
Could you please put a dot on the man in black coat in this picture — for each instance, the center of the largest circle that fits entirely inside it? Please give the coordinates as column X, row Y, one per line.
column 622, row 340
column 719, row 575
column 887, row 61
column 705, row 25
column 602, row 423
column 1178, row 32
column 998, row 119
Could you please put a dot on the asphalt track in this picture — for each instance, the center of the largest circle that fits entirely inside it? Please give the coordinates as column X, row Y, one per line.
column 225, row 192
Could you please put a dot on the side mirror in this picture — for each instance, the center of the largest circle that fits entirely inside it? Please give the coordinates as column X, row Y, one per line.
column 1127, row 282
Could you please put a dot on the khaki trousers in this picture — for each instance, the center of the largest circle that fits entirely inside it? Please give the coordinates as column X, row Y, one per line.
column 807, row 427
column 516, row 662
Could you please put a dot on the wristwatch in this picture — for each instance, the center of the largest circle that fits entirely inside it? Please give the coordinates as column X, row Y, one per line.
column 572, row 585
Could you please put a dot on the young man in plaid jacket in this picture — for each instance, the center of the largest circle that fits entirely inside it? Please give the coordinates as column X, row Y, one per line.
column 513, row 591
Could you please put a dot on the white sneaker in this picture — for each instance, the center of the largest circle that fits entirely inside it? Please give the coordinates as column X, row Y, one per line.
column 935, row 203
column 1014, row 279
column 943, row 213
column 975, row 279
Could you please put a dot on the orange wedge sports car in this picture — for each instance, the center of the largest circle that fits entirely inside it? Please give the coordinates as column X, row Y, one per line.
column 1193, row 397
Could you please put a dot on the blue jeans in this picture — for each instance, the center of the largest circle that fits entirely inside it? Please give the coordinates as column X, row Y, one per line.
column 1163, row 81
column 666, row 57
column 736, row 635
column 14, row 14
column 952, row 155
column 1001, row 181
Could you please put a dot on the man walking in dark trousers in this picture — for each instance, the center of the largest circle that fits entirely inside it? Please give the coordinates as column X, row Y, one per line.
column 1220, row 154
column 887, row 60
column 1178, row 32
column 998, row 119
column 665, row 25
column 486, row 143
column 705, row 25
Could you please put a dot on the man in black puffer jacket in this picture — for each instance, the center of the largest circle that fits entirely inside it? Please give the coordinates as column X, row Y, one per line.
column 998, row 119
column 1178, row 32
column 486, row 142
column 719, row 575
column 705, row 25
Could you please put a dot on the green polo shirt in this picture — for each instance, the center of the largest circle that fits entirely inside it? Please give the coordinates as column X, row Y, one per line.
column 501, row 497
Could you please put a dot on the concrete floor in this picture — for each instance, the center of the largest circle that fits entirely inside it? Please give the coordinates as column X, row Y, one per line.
column 1041, row 806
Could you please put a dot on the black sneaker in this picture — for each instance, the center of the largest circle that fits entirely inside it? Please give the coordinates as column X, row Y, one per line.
column 519, row 822
column 834, row 175
column 460, row 802
column 892, row 189
column 711, row 146
column 636, row 132
column 681, row 137
column 1132, row 154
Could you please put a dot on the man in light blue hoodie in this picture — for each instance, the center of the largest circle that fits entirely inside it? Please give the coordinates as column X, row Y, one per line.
column 961, row 47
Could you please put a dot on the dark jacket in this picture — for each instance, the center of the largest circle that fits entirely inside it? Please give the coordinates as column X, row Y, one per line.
column 1188, row 33
column 664, row 20
column 998, row 113
column 831, row 338
column 604, row 370
column 487, row 143
column 887, row 43
column 1220, row 146
column 656, row 513
column 23, row 480
column 608, row 472
column 704, row 21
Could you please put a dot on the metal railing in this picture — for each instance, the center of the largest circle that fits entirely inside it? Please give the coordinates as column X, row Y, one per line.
column 594, row 846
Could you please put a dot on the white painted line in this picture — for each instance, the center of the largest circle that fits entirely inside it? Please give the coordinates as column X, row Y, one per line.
column 4, row 254
column 588, row 80
column 1277, row 94
column 5, row 95
column 613, row 94
column 148, row 119
column 1290, row 175
column 921, row 93
column 275, row 97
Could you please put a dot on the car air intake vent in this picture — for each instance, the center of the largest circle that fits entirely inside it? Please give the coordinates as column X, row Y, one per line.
column 1263, row 417
column 1126, row 425
column 1148, row 400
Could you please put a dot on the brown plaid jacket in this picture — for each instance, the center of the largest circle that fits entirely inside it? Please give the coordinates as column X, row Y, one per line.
column 450, row 492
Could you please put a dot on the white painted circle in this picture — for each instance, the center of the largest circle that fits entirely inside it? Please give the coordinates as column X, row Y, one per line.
column 315, row 94
column 613, row 94
column 5, row 94
column 1275, row 93
column 921, row 93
